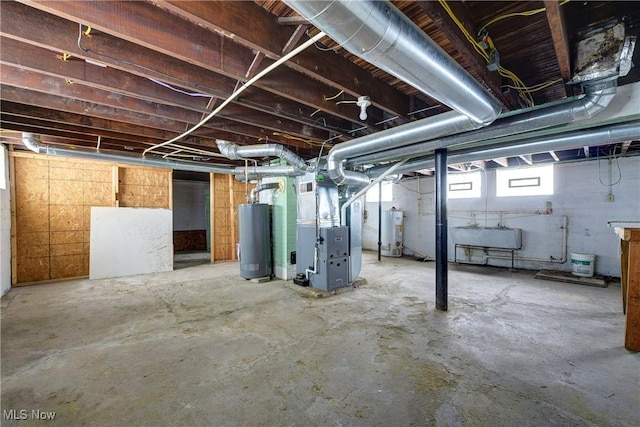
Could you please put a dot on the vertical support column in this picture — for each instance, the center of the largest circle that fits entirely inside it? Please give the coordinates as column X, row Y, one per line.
column 441, row 230
column 379, row 220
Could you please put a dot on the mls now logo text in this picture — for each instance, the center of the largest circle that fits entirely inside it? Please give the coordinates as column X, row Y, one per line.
column 23, row 414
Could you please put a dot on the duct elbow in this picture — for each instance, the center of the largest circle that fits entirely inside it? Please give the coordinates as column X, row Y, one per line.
column 598, row 97
column 227, row 149
column 32, row 142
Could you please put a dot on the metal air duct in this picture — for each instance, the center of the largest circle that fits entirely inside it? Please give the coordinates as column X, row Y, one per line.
column 382, row 35
column 612, row 134
column 255, row 172
column 263, row 187
column 31, row 141
column 597, row 97
column 379, row 33
column 236, row 152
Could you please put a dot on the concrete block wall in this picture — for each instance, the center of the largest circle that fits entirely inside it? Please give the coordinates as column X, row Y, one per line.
column 578, row 195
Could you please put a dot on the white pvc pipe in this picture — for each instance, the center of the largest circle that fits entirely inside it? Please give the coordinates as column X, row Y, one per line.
column 241, row 89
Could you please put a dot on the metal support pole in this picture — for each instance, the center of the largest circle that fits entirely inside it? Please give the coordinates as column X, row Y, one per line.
column 441, row 229
column 379, row 220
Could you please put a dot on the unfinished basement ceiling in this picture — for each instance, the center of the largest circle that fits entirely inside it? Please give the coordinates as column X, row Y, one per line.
column 124, row 76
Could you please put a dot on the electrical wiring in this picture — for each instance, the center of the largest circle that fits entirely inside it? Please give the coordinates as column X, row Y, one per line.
column 481, row 50
column 525, row 13
column 536, row 87
column 334, row 96
column 241, row 89
column 296, row 138
column 175, row 89
column 611, row 184
column 346, row 102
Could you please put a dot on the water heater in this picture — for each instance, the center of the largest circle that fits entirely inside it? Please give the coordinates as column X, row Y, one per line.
column 392, row 224
column 254, row 227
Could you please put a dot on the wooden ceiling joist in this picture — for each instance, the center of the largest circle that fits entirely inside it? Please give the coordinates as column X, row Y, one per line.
column 559, row 36
column 251, row 26
column 447, row 26
column 145, row 25
column 60, row 35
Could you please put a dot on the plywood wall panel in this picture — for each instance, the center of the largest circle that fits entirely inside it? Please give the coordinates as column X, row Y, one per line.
column 66, row 192
column 97, row 193
column 33, row 269
column 35, row 218
column 53, row 199
column 66, row 218
column 65, row 237
column 67, row 266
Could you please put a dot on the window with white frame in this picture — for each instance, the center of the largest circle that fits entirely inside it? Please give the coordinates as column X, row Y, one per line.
column 528, row 181
column 464, row 185
column 387, row 192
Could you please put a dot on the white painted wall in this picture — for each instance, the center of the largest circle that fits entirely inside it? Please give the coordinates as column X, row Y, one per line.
column 578, row 195
column 189, row 205
column 128, row 241
column 5, row 223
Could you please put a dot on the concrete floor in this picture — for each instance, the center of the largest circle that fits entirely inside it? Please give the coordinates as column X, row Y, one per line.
column 201, row 346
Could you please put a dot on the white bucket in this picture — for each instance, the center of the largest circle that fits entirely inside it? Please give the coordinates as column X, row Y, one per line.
column 582, row 264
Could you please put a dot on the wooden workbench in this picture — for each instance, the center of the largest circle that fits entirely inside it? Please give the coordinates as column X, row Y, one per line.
column 630, row 279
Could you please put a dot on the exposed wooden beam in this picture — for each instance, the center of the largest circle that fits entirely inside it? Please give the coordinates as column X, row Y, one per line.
column 586, row 151
column 295, row 38
column 60, row 35
column 458, row 166
column 255, row 65
column 554, row 155
column 146, row 123
column 625, row 147
column 471, row 58
column 555, row 17
column 248, row 23
column 93, row 85
column 502, row 161
column 293, row 20
column 527, row 158
column 141, row 24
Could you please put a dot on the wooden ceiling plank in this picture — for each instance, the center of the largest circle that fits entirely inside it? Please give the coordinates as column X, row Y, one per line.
column 559, row 36
column 140, row 23
column 33, row 81
column 252, row 26
column 131, row 87
column 473, row 60
column 214, row 130
column 57, row 34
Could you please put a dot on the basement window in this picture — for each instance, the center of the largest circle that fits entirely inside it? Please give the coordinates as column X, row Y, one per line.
column 387, row 192
column 465, row 185
column 531, row 181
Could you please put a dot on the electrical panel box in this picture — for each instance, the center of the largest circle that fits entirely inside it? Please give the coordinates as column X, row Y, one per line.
column 332, row 270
